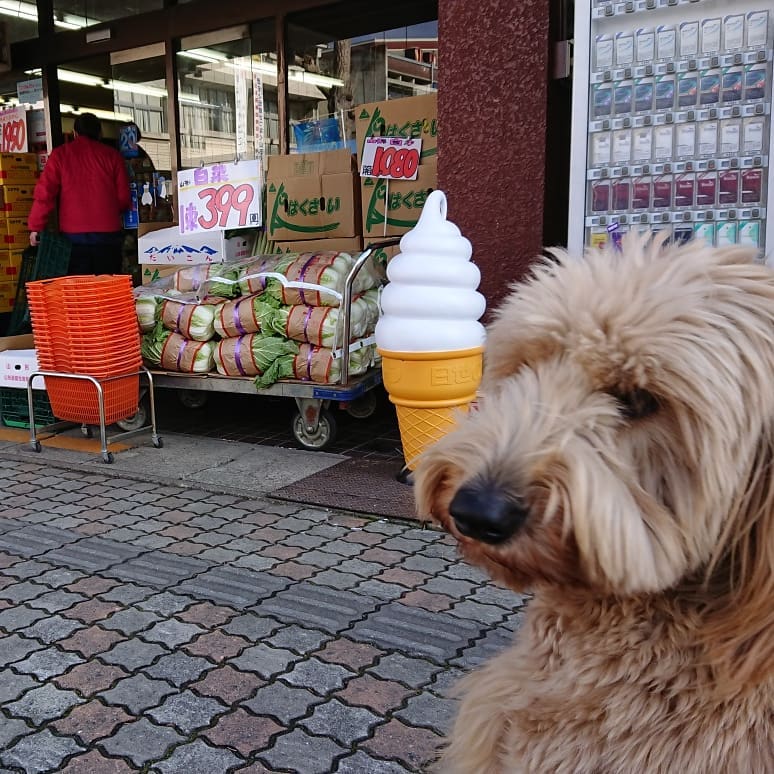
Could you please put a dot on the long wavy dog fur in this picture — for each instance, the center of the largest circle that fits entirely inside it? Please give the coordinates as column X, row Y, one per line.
column 620, row 468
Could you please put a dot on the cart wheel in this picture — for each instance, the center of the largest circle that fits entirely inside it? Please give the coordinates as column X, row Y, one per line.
column 325, row 435
column 87, row 431
column 192, row 399
column 107, row 457
column 362, row 407
column 36, row 447
column 158, row 443
column 136, row 421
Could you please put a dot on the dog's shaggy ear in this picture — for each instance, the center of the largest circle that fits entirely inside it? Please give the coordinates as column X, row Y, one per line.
column 739, row 623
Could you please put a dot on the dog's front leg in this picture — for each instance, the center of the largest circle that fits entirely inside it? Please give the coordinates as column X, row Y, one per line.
column 476, row 742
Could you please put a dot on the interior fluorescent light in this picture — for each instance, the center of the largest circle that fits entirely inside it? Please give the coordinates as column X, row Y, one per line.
column 71, row 76
column 29, row 11
column 106, row 114
column 134, row 88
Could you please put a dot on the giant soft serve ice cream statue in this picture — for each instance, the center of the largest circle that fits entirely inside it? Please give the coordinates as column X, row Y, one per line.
column 428, row 333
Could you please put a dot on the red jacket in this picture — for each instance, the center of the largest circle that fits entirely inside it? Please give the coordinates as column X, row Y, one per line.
column 88, row 180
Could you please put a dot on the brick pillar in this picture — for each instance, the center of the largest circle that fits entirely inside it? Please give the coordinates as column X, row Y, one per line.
column 493, row 72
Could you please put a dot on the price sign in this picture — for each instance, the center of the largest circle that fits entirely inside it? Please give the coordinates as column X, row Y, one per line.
column 395, row 158
column 13, row 125
column 220, row 197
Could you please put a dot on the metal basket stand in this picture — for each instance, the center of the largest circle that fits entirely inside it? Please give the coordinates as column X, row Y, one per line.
column 58, row 427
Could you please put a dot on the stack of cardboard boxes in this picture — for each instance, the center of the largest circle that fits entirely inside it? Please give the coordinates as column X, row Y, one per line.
column 18, row 174
column 313, row 202
column 392, row 207
column 317, row 201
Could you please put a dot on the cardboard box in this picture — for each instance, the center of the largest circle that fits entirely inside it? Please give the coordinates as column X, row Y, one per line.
column 7, row 296
column 18, row 168
column 312, row 196
column 14, row 230
column 16, row 199
column 352, row 245
column 25, row 341
column 409, row 117
column 401, row 200
column 16, row 366
column 10, row 265
column 147, row 228
column 167, row 246
column 151, row 273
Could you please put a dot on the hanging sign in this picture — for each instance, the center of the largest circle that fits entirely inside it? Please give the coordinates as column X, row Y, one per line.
column 30, row 91
column 220, row 196
column 394, row 158
column 258, row 128
column 13, row 124
column 241, row 68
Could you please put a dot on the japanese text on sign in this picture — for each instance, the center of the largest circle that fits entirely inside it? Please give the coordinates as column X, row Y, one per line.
column 391, row 157
column 13, row 125
column 220, row 197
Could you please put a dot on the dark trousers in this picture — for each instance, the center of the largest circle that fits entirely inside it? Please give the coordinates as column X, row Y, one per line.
column 96, row 258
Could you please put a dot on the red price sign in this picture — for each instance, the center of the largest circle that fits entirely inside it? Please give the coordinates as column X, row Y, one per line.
column 219, row 197
column 391, row 157
column 14, row 131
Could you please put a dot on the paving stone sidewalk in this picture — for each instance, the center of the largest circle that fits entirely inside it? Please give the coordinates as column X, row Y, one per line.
column 161, row 629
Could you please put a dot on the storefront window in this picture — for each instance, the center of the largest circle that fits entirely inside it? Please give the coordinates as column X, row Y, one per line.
column 219, row 74
column 327, row 78
column 140, row 95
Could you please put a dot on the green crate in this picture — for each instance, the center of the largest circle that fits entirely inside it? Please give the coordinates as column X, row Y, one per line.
column 15, row 411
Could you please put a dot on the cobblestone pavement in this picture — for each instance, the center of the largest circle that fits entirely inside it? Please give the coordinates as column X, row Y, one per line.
column 156, row 628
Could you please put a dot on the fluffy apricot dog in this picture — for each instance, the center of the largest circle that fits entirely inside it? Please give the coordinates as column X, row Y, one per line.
column 620, row 468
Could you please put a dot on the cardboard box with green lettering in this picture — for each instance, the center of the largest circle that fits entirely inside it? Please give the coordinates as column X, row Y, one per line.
column 392, row 207
column 408, row 117
column 312, row 196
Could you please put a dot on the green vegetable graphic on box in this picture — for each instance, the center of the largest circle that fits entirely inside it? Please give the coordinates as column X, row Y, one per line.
column 307, row 207
column 378, row 127
column 412, row 200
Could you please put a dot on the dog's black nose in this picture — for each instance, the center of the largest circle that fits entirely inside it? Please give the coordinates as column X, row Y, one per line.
column 483, row 512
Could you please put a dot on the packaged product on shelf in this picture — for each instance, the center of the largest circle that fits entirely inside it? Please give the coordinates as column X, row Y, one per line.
column 243, row 315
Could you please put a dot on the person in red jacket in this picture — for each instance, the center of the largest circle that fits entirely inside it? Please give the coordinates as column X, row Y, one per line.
column 88, row 180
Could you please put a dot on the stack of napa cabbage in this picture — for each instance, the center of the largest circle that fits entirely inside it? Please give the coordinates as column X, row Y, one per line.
column 270, row 317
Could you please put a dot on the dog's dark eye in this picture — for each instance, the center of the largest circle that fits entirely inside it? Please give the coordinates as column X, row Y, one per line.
column 636, row 404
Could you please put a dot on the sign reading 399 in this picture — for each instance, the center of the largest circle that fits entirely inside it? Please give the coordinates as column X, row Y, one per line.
column 220, row 196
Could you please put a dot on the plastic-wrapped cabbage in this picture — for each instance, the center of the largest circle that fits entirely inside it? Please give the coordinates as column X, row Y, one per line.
column 256, row 354
column 371, row 300
column 318, row 325
column 312, row 279
column 243, row 315
column 193, row 320
column 205, row 277
column 145, row 307
column 318, row 364
column 173, row 352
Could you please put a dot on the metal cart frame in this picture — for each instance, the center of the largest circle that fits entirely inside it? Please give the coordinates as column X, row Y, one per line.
column 58, row 427
column 313, row 427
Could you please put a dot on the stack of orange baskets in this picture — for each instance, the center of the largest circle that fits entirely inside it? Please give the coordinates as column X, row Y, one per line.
column 87, row 325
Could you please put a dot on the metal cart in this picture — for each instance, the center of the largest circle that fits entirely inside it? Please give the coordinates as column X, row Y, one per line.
column 58, row 427
column 313, row 425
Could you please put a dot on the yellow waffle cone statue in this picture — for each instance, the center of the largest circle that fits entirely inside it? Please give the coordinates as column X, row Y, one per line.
column 428, row 334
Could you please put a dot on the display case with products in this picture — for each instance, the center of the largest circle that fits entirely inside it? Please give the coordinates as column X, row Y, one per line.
column 672, row 121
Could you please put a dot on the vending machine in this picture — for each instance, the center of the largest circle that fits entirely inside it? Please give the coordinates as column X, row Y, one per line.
column 672, row 121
